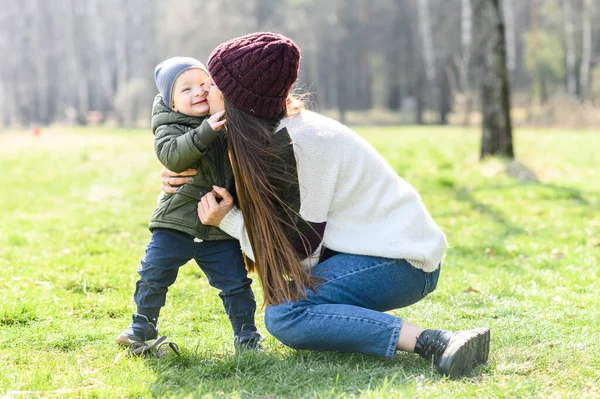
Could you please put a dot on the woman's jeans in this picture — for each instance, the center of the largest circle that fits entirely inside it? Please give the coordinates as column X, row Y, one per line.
column 345, row 313
column 220, row 260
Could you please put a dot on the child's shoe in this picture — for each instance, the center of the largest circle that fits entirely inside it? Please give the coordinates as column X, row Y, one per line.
column 454, row 354
column 140, row 330
column 248, row 339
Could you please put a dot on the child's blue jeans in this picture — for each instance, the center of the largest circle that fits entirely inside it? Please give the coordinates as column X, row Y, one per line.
column 345, row 313
column 220, row 260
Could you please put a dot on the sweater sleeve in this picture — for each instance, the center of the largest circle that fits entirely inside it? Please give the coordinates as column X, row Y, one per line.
column 233, row 224
column 178, row 149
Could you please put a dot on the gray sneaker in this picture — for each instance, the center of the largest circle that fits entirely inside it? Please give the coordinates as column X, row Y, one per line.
column 140, row 330
column 248, row 339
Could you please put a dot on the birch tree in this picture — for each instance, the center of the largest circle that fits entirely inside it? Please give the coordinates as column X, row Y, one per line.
column 67, row 58
column 570, row 48
column 586, row 52
column 427, row 40
column 511, row 47
column 466, row 34
column 10, row 21
column 466, row 39
column 427, row 50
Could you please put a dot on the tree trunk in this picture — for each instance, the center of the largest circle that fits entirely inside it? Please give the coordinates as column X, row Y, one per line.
column 419, row 99
column 415, row 77
column 79, row 99
column 364, row 80
column 570, row 49
column 492, row 79
column 105, row 86
column 392, row 63
column 345, row 71
column 42, row 97
column 586, row 52
column 445, row 93
column 511, row 47
column 532, row 49
column 427, row 40
column 466, row 39
column 427, row 51
column 466, row 35
column 121, row 60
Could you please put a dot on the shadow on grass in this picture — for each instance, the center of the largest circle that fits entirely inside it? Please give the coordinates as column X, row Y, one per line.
column 293, row 374
column 463, row 194
column 525, row 178
column 511, row 206
column 554, row 192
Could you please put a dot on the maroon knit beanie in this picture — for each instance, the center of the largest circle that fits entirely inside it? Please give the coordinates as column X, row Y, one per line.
column 256, row 72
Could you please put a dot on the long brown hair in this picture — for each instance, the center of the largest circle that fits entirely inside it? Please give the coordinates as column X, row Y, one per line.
column 266, row 216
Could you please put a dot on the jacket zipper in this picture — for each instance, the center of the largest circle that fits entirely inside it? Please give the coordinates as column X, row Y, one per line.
column 219, row 167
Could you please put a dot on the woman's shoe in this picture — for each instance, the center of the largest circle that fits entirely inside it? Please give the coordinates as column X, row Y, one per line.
column 455, row 354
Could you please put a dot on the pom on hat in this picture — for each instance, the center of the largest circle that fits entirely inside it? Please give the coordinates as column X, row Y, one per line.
column 167, row 72
column 256, row 72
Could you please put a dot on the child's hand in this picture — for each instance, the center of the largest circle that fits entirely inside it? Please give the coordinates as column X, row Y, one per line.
column 214, row 121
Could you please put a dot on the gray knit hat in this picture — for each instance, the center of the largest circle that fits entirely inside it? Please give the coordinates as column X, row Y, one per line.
column 166, row 73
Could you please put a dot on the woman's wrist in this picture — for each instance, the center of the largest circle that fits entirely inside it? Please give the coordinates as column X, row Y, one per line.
column 232, row 222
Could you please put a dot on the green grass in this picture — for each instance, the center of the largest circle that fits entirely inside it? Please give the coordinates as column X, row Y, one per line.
column 523, row 260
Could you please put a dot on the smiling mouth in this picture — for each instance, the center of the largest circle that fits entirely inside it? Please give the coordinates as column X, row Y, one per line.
column 199, row 102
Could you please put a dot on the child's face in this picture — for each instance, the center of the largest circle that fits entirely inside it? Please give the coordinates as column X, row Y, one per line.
column 215, row 97
column 189, row 96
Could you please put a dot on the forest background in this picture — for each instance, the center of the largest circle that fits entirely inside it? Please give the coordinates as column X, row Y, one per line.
column 365, row 62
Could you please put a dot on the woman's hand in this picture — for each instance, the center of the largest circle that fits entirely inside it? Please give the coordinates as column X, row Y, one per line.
column 214, row 121
column 212, row 212
column 171, row 181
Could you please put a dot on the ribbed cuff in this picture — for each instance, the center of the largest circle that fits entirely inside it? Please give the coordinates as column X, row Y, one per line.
column 432, row 263
column 233, row 222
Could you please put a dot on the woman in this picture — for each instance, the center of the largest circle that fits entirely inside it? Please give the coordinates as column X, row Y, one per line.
column 336, row 237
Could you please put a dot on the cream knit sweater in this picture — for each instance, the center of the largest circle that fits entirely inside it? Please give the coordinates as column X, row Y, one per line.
column 368, row 209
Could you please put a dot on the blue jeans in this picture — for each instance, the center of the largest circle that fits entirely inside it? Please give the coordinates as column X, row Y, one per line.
column 220, row 260
column 345, row 313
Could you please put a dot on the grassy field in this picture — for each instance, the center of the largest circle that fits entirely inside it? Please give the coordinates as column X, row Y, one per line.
column 524, row 260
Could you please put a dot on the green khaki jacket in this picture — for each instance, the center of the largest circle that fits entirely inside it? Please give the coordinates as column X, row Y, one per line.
column 182, row 142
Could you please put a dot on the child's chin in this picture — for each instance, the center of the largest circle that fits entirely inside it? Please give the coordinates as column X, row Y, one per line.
column 203, row 112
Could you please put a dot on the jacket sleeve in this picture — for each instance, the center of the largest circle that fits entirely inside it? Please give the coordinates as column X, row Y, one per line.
column 179, row 147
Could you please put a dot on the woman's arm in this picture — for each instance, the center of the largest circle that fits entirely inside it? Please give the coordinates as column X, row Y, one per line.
column 224, row 215
column 171, row 181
